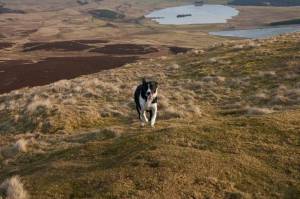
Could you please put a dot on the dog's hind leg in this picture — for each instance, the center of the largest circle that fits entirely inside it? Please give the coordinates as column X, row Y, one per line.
column 138, row 111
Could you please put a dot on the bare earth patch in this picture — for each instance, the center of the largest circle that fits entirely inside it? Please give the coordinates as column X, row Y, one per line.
column 4, row 45
column 18, row 74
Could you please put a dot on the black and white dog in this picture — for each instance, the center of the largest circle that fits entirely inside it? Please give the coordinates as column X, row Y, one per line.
column 145, row 98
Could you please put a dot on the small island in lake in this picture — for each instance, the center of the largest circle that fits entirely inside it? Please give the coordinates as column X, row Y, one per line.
column 184, row 15
column 199, row 3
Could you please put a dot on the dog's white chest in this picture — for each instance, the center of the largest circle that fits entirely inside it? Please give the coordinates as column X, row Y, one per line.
column 146, row 105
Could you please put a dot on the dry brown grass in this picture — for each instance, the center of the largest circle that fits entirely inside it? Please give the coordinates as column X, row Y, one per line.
column 227, row 128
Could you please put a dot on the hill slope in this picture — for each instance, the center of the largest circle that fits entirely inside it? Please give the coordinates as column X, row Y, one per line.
column 266, row 2
column 228, row 127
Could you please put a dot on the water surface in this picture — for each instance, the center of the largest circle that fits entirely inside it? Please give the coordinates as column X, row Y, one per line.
column 206, row 14
column 259, row 32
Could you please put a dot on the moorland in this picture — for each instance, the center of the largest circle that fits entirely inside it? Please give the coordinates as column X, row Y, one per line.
column 229, row 117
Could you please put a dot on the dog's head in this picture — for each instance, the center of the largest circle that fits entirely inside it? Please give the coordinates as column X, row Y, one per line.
column 150, row 89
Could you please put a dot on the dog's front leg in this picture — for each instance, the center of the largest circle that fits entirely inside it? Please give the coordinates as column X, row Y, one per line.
column 143, row 116
column 153, row 119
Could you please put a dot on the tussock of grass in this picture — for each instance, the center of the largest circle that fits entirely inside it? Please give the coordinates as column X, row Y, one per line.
column 217, row 79
column 173, row 67
column 13, row 188
column 261, row 96
column 9, row 151
column 266, row 73
column 38, row 104
column 21, row 145
column 258, row 111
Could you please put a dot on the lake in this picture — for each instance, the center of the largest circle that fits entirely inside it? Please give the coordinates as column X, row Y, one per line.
column 191, row 14
column 258, row 33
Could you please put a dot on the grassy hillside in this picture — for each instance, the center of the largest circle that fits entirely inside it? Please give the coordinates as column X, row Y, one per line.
column 288, row 22
column 228, row 127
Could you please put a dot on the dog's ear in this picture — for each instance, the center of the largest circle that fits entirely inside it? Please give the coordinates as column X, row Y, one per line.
column 144, row 81
column 156, row 83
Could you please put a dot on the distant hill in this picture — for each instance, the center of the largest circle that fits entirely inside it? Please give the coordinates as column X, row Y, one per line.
column 266, row 2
